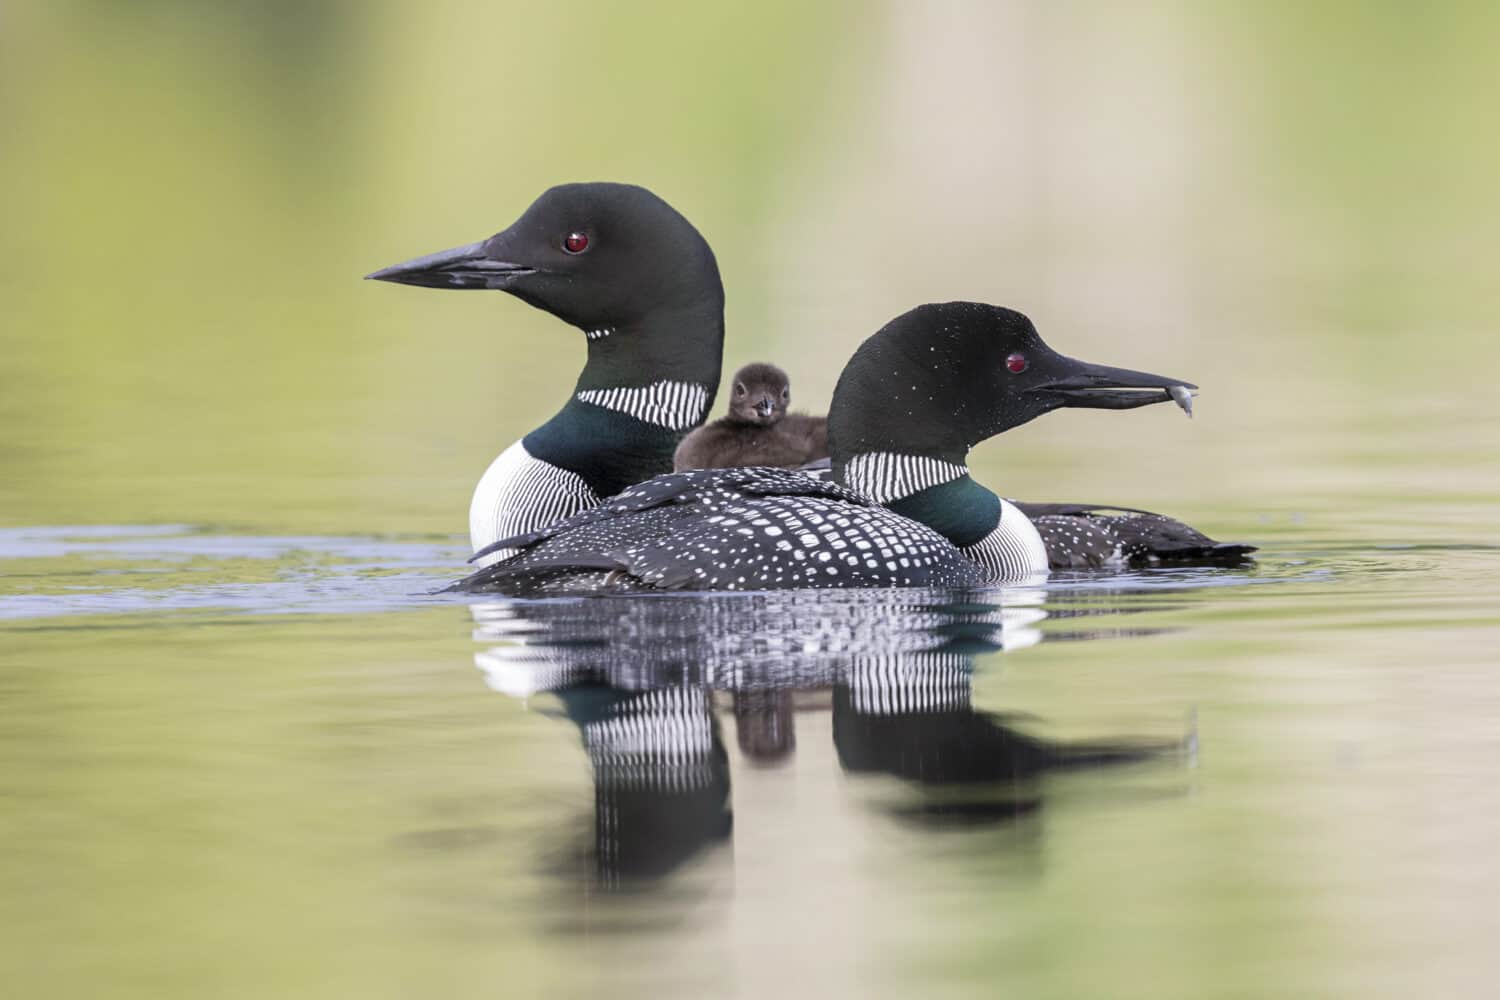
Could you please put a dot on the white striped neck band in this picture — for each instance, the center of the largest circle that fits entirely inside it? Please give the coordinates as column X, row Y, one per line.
column 676, row 405
column 599, row 334
column 885, row 476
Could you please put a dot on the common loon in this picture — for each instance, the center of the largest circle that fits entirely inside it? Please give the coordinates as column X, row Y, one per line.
column 626, row 268
column 903, row 510
column 758, row 429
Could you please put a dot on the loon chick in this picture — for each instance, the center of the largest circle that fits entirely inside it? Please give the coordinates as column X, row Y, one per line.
column 623, row 266
column 758, row 430
column 902, row 512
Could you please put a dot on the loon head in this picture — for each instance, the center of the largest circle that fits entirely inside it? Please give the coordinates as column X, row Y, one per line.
column 760, row 395
column 598, row 256
column 941, row 378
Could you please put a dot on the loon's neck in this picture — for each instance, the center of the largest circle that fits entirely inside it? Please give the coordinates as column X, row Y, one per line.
column 938, row 492
column 682, row 343
column 935, row 491
column 646, row 384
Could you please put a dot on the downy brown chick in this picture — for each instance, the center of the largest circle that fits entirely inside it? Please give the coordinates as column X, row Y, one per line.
column 758, row 429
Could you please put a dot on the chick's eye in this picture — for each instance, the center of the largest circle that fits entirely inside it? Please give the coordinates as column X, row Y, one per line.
column 739, row 390
column 786, row 394
column 1016, row 363
column 576, row 242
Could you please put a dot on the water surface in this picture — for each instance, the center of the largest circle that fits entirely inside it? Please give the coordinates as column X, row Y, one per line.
column 243, row 764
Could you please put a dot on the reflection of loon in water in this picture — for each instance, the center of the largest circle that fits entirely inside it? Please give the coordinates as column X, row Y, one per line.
column 661, row 776
column 641, row 676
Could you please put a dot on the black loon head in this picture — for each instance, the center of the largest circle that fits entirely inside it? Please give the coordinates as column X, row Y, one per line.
column 614, row 260
column 760, row 395
column 591, row 254
column 941, row 378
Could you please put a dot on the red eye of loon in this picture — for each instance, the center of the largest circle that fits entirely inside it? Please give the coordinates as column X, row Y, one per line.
column 1016, row 363
column 576, row 242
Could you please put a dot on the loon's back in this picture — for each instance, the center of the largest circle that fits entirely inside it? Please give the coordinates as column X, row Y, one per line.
column 1103, row 536
column 727, row 529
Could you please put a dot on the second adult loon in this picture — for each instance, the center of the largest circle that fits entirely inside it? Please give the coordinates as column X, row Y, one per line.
column 911, row 403
column 623, row 266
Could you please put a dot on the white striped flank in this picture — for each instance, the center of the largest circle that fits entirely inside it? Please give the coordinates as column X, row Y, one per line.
column 676, row 405
column 885, row 476
column 518, row 493
column 599, row 334
column 1013, row 551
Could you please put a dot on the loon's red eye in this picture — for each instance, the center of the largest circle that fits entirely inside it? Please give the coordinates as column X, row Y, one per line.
column 1016, row 363
column 576, row 242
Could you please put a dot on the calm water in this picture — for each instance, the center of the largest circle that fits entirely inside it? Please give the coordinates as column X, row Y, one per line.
column 241, row 765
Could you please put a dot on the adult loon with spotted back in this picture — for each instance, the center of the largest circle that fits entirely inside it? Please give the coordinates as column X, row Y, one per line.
column 622, row 265
column 903, row 509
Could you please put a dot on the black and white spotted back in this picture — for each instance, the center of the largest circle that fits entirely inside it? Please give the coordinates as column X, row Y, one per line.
column 727, row 529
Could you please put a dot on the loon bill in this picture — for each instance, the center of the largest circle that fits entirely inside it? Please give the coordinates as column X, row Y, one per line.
column 902, row 511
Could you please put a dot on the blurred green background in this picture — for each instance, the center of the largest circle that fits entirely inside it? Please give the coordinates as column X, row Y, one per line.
column 1293, row 205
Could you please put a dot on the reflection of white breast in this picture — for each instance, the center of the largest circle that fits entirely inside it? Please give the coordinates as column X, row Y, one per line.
column 1014, row 551
column 518, row 493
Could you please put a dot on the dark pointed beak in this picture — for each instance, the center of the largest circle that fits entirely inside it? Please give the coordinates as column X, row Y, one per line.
column 461, row 267
column 764, row 406
column 1100, row 387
